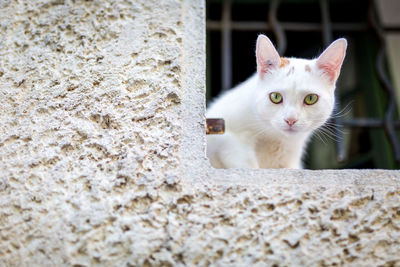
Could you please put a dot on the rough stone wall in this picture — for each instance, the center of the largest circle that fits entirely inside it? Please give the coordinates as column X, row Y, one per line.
column 89, row 128
column 102, row 155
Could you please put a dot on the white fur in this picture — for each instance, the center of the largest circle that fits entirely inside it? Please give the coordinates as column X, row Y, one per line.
column 256, row 134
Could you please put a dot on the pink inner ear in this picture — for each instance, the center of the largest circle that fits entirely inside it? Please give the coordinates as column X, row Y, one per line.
column 330, row 61
column 267, row 56
column 264, row 66
column 331, row 69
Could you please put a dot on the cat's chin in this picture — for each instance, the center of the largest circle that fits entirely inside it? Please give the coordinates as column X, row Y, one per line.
column 291, row 131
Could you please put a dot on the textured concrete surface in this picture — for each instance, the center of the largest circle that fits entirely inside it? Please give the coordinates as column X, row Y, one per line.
column 102, row 157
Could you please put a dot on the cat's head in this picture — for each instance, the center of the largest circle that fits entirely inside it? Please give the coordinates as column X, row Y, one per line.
column 295, row 96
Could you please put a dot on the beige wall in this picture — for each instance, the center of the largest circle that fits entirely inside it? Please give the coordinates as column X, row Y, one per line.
column 102, row 154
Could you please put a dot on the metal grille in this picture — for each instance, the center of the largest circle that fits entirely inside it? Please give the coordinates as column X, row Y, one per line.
column 326, row 28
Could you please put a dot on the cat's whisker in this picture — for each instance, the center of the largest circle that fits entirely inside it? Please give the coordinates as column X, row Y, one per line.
column 330, row 129
column 318, row 134
column 343, row 112
column 331, row 126
column 330, row 134
column 324, row 137
column 334, row 129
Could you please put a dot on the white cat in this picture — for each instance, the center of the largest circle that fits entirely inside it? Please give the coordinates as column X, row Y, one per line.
column 270, row 117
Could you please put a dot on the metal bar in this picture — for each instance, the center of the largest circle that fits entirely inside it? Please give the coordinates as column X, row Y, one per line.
column 326, row 22
column 214, row 25
column 387, row 87
column 394, row 29
column 389, row 117
column 226, row 46
column 367, row 123
column 327, row 38
column 276, row 26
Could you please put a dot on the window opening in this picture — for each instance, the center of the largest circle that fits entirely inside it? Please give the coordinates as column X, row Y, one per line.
column 302, row 29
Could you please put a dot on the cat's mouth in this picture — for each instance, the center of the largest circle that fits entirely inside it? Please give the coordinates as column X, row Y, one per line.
column 291, row 130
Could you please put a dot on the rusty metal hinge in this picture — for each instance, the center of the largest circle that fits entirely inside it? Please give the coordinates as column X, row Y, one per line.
column 215, row 126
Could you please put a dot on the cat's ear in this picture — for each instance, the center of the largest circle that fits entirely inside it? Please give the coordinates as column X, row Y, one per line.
column 330, row 61
column 267, row 56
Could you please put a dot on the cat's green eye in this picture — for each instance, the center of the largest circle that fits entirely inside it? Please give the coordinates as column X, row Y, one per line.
column 311, row 99
column 275, row 98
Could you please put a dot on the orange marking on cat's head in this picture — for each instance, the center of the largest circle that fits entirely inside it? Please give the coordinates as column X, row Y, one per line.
column 284, row 62
column 308, row 69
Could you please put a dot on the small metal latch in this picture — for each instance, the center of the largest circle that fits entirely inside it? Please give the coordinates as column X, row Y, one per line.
column 215, row 126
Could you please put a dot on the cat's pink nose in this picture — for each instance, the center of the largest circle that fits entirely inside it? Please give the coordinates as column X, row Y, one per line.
column 290, row 121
